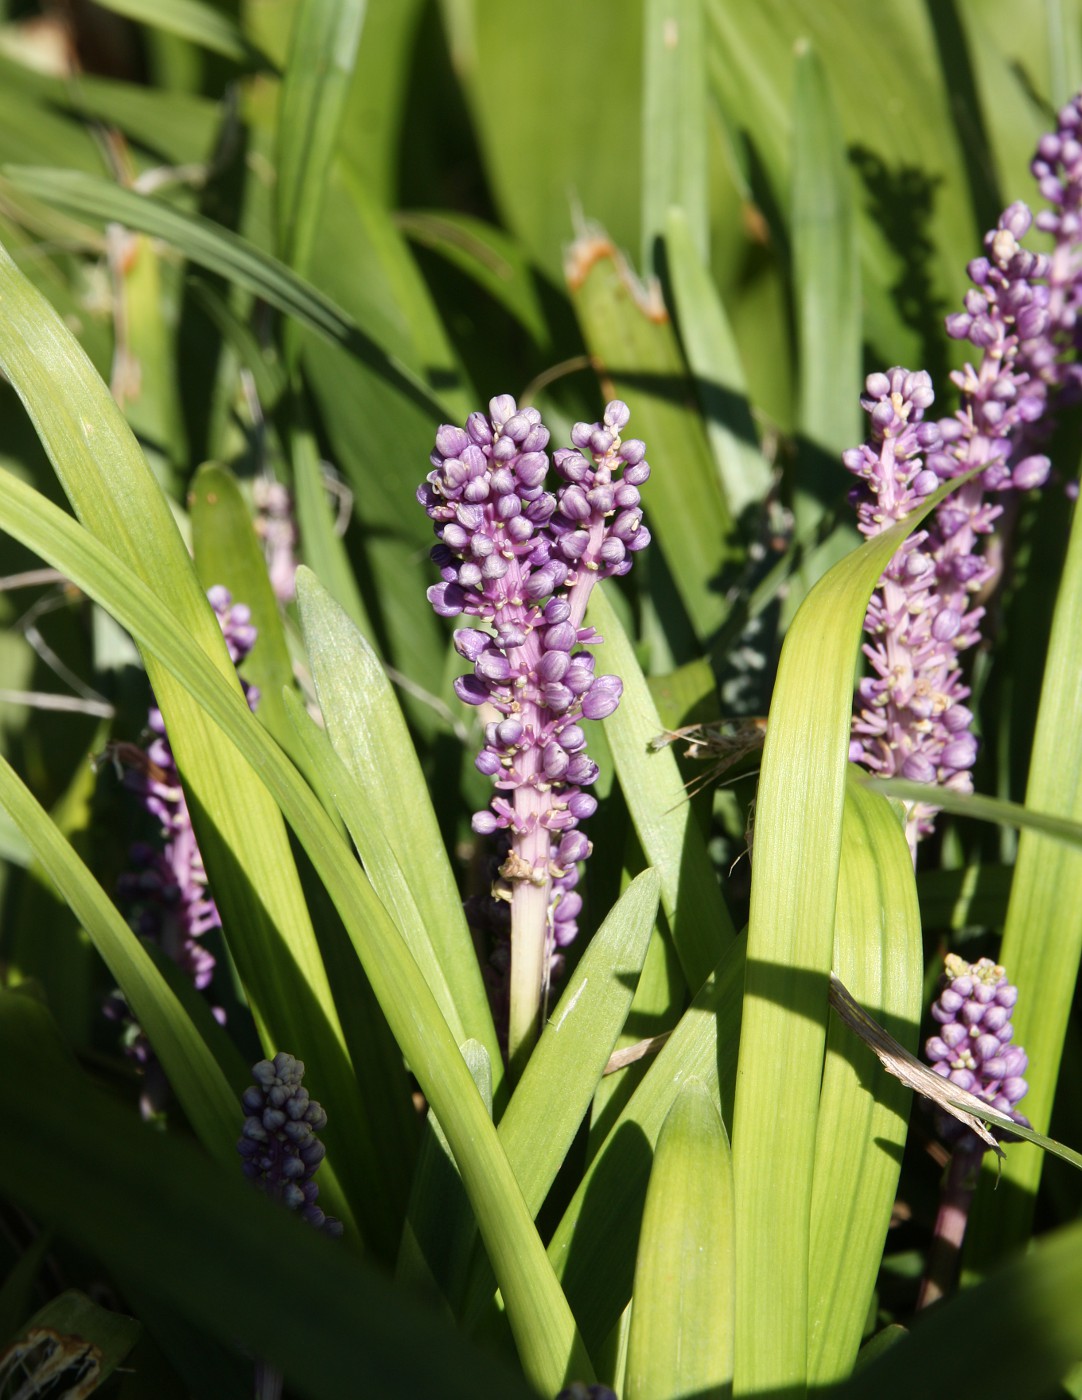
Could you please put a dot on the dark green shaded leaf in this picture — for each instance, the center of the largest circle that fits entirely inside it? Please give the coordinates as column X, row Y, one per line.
column 210, row 1246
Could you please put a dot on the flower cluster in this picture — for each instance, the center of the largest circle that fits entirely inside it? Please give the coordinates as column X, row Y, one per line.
column 973, row 1046
column 1021, row 315
column 912, row 719
column 165, row 890
column 279, row 1147
column 1057, row 168
column 522, row 560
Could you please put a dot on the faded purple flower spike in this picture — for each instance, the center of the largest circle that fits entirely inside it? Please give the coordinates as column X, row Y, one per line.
column 276, row 526
column 279, row 1147
column 164, row 891
column 522, row 560
column 973, row 1050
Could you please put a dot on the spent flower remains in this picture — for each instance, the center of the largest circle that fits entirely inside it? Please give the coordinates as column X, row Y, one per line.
column 522, row 560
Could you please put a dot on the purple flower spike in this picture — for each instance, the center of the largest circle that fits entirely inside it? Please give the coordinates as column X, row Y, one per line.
column 279, row 1147
column 164, row 892
column 972, row 1047
column 1021, row 315
column 522, row 560
column 908, row 708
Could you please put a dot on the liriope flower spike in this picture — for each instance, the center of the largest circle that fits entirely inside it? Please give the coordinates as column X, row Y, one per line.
column 279, row 1147
column 912, row 720
column 972, row 1049
column 165, row 891
column 1021, row 317
column 973, row 1045
column 522, row 560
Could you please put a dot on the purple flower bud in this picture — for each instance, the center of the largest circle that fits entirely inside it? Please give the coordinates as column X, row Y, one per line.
column 573, row 848
column 919, row 769
column 554, row 762
column 470, row 690
column 581, row 805
column 553, row 666
column 603, row 697
column 1030, row 473
column 470, row 642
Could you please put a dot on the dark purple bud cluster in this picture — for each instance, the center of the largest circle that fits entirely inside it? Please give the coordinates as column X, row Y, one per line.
column 522, row 559
column 279, row 1147
column 165, row 891
column 973, row 1046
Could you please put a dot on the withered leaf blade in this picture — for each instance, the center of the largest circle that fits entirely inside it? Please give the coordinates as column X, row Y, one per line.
column 896, row 1060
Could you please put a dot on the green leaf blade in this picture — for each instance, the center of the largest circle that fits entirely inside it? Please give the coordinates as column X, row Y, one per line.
column 674, row 124
column 658, row 801
column 322, row 54
column 863, row 1111
column 681, row 1340
column 369, row 734
column 796, row 856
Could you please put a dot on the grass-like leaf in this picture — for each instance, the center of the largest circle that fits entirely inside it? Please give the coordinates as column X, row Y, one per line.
column 681, row 1340
column 203, row 1241
column 593, row 1248
column 714, row 360
column 982, row 808
column 224, row 252
column 626, row 328
column 394, row 813
column 323, row 549
column 1038, row 1332
column 228, row 552
column 200, row 23
column 240, row 830
column 558, row 1083
column 863, row 1111
column 486, row 255
column 796, row 854
column 211, row 1104
column 1042, row 938
column 826, row 266
column 659, row 806
column 322, row 53
column 554, row 1093
column 674, row 125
